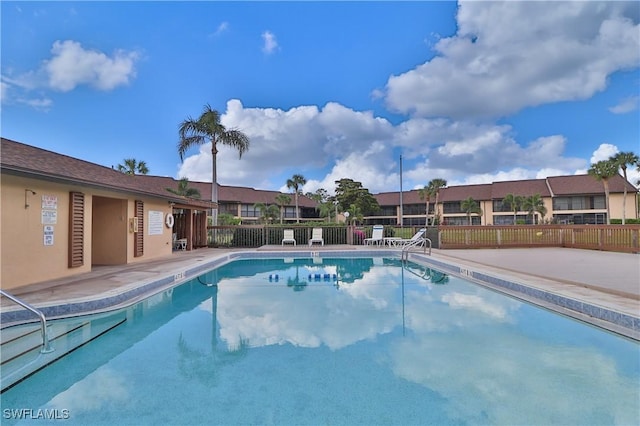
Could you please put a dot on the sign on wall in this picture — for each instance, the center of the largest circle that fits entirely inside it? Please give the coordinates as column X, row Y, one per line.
column 50, row 202
column 49, row 210
column 155, row 222
column 49, row 217
column 48, row 235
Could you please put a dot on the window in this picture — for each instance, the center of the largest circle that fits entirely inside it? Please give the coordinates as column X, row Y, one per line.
column 289, row 212
column 247, row 210
column 462, row 220
column 228, row 208
column 561, row 203
column 415, row 209
column 452, row 207
column 500, row 206
column 386, row 211
column 598, row 202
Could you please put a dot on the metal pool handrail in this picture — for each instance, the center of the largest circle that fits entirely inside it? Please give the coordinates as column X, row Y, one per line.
column 46, row 345
column 421, row 241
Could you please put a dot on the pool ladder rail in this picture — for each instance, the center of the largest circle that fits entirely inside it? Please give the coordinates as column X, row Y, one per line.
column 46, row 344
column 420, row 242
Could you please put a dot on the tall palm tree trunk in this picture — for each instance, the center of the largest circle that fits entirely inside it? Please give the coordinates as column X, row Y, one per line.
column 214, row 185
column 624, row 197
column 605, row 183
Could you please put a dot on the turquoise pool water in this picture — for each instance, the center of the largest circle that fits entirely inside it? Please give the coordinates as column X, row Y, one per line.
column 337, row 341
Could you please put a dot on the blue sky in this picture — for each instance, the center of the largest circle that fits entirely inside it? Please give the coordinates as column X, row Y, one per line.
column 470, row 92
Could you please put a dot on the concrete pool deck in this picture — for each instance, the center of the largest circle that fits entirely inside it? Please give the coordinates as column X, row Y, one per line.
column 607, row 279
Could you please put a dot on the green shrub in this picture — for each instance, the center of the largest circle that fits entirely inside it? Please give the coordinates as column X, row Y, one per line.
column 627, row 221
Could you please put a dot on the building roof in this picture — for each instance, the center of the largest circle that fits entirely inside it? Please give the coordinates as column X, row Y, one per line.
column 231, row 194
column 551, row 186
column 26, row 160
column 586, row 184
column 480, row 192
column 525, row 188
column 29, row 161
column 245, row 195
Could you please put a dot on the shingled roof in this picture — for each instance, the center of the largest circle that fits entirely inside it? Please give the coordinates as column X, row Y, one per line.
column 525, row 188
column 25, row 160
column 587, row 184
column 228, row 194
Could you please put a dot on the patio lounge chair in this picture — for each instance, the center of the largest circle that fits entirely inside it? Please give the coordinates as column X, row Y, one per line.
column 417, row 240
column 376, row 235
column 179, row 244
column 316, row 237
column 288, row 237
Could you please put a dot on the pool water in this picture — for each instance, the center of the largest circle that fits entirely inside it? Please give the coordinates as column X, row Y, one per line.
column 337, row 341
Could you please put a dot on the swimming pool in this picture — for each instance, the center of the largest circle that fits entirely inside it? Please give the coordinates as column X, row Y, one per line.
column 337, row 341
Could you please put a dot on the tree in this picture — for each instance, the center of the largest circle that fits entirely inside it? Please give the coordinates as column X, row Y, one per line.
column 131, row 166
column 268, row 213
column 623, row 160
column 207, row 128
column 350, row 192
column 184, row 190
column 325, row 202
column 435, row 185
column 603, row 171
column 355, row 214
column 425, row 194
column 515, row 204
column 469, row 206
column 282, row 200
column 534, row 204
column 296, row 183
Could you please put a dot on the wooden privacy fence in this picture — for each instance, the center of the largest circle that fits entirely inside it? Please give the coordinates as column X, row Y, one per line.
column 622, row 238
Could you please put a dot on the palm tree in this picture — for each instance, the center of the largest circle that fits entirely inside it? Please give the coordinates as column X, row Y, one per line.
column 131, row 166
column 514, row 202
column 534, row 204
column 184, row 190
column 268, row 213
column 207, row 128
column 282, row 200
column 435, row 186
column 470, row 206
column 603, row 171
column 624, row 159
column 296, row 183
column 425, row 194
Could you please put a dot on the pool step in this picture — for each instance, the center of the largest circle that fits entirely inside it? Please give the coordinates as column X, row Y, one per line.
column 21, row 345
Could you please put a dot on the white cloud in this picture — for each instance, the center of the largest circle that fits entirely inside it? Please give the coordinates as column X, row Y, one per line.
column 360, row 146
column 603, row 152
column 71, row 65
column 626, row 105
column 501, row 60
column 299, row 139
column 270, row 43
column 222, row 28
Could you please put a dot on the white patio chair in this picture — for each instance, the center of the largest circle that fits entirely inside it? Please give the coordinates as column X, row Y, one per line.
column 377, row 235
column 316, row 237
column 416, row 240
column 288, row 237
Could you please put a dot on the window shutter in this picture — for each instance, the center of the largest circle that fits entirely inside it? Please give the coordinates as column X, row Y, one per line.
column 138, row 241
column 76, row 229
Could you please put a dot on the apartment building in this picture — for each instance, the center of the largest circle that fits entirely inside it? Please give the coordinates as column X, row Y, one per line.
column 575, row 199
